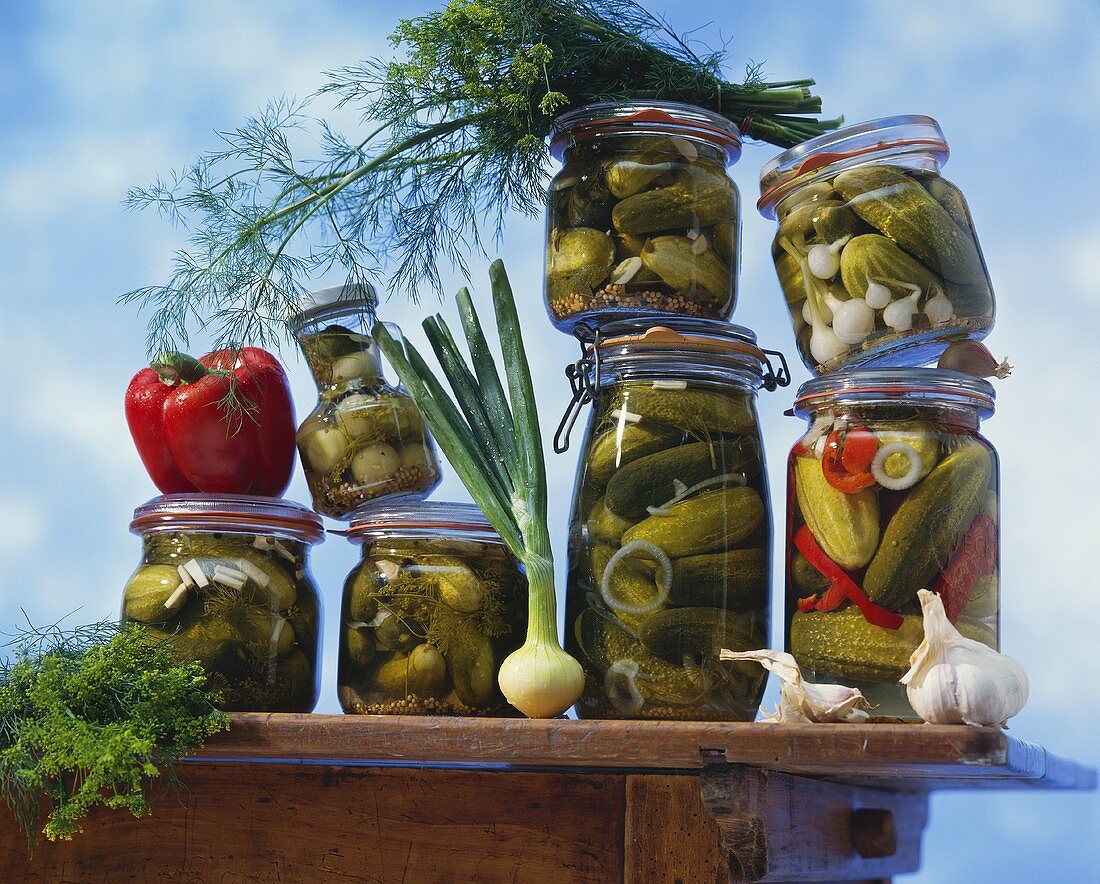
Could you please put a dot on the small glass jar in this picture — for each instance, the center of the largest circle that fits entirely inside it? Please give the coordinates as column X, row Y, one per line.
column 365, row 439
column 892, row 490
column 642, row 217
column 670, row 533
column 430, row 612
column 225, row 579
column 876, row 252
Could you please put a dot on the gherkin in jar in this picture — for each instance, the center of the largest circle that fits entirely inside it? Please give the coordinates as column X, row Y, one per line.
column 225, row 582
column 670, row 539
column 365, row 439
column 642, row 217
column 430, row 613
column 892, row 490
column 876, row 253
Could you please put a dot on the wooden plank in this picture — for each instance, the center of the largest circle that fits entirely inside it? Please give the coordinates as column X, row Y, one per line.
column 670, row 836
column 776, row 827
column 235, row 823
column 896, row 755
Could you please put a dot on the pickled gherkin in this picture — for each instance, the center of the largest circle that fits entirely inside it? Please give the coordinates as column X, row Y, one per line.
column 365, row 439
column 643, row 221
column 241, row 605
column 447, row 604
column 881, row 226
column 668, row 558
column 893, row 490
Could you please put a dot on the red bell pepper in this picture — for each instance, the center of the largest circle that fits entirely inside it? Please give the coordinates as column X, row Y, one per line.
column 222, row 424
column 975, row 556
column 873, row 613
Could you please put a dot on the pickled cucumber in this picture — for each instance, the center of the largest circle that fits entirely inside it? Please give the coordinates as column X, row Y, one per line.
column 674, row 632
column 423, row 673
column 667, row 208
column 147, row 594
column 845, row 525
column 736, row 579
column 472, row 665
column 605, row 526
column 618, row 445
column 709, row 521
column 695, row 411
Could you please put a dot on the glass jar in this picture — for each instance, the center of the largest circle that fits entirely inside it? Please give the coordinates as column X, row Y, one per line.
column 876, row 252
column 892, row 490
column 430, row 612
column 642, row 217
column 365, row 439
column 226, row 580
column 670, row 532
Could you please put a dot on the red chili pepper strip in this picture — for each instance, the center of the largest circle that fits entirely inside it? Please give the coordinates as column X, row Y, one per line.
column 835, row 472
column 831, row 599
column 975, row 556
column 873, row 613
column 859, row 449
column 807, row 604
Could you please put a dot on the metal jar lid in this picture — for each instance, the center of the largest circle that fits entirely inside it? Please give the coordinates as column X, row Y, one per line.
column 932, row 386
column 885, row 137
column 231, row 513
column 641, row 117
column 351, row 299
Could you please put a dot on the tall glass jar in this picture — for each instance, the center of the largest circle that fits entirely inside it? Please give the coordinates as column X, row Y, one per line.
column 225, row 579
column 365, row 438
column 642, row 217
column 892, row 490
column 430, row 612
column 670, row 533
column 876, row 252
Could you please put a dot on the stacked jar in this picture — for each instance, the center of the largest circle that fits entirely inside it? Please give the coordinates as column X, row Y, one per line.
column 670, row 533
column 892, row 489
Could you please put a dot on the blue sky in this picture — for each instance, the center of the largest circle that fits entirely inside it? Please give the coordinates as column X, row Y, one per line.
column 99, row 96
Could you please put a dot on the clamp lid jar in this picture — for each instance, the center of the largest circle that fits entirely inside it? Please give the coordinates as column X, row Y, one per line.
column 876, row 252
column 642, row 218
column 225, row 579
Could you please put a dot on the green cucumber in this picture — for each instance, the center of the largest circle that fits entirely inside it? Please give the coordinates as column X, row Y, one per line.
column 845, row 525
column 708, row 522
column 702, row 632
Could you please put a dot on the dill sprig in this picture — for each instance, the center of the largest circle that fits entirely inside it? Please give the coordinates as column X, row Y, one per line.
column 90, row 716
column 455, row 136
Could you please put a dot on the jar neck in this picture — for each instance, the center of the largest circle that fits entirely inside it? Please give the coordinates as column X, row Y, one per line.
column 657, row 145
column 193, row 539
column 952, row 415
column 441, row 535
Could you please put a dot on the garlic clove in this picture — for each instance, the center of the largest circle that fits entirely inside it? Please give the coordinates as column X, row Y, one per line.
column 956, row 680
column 974, row 358
column 802, row 701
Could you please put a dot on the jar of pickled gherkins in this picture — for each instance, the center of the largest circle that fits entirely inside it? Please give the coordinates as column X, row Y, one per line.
column 430, row 612
column 670, row 533
column 876, row 252
column 893, row 489
column 642, row 217
column 225, row 579
column 365, row 439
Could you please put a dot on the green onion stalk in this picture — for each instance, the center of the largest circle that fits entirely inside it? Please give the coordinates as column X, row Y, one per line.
column 492, row 440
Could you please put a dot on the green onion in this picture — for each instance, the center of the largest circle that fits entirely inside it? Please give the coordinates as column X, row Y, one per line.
column 491, row 437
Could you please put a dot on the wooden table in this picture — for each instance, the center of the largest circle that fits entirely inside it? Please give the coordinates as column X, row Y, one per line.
column 305, row 798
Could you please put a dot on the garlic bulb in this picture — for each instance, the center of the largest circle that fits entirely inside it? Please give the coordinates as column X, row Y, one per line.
column 956, row 680
column 803, row 701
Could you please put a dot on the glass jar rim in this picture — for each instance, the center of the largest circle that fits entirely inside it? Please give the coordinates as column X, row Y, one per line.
column 641, row 116
column 231, row 513
column 349, row 299
column 933, row 386
column 417, row 515
column 802, row 164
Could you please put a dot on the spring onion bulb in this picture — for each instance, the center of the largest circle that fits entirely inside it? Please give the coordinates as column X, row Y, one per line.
column 877, row 295
column 491, row 438
column 824, row 260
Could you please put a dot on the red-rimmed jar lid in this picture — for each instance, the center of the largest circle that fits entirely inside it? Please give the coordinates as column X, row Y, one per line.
column 930, row 386
column 645, row 117
column 398, row 515
column 826, row 154
column 231, row 513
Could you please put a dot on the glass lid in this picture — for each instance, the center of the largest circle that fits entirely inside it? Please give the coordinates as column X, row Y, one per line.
column 236, row 513
column 399, row 513
column 862, row 385
column 663, row 117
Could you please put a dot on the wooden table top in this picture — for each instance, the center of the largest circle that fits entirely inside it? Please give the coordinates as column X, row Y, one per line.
column 898, row 756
